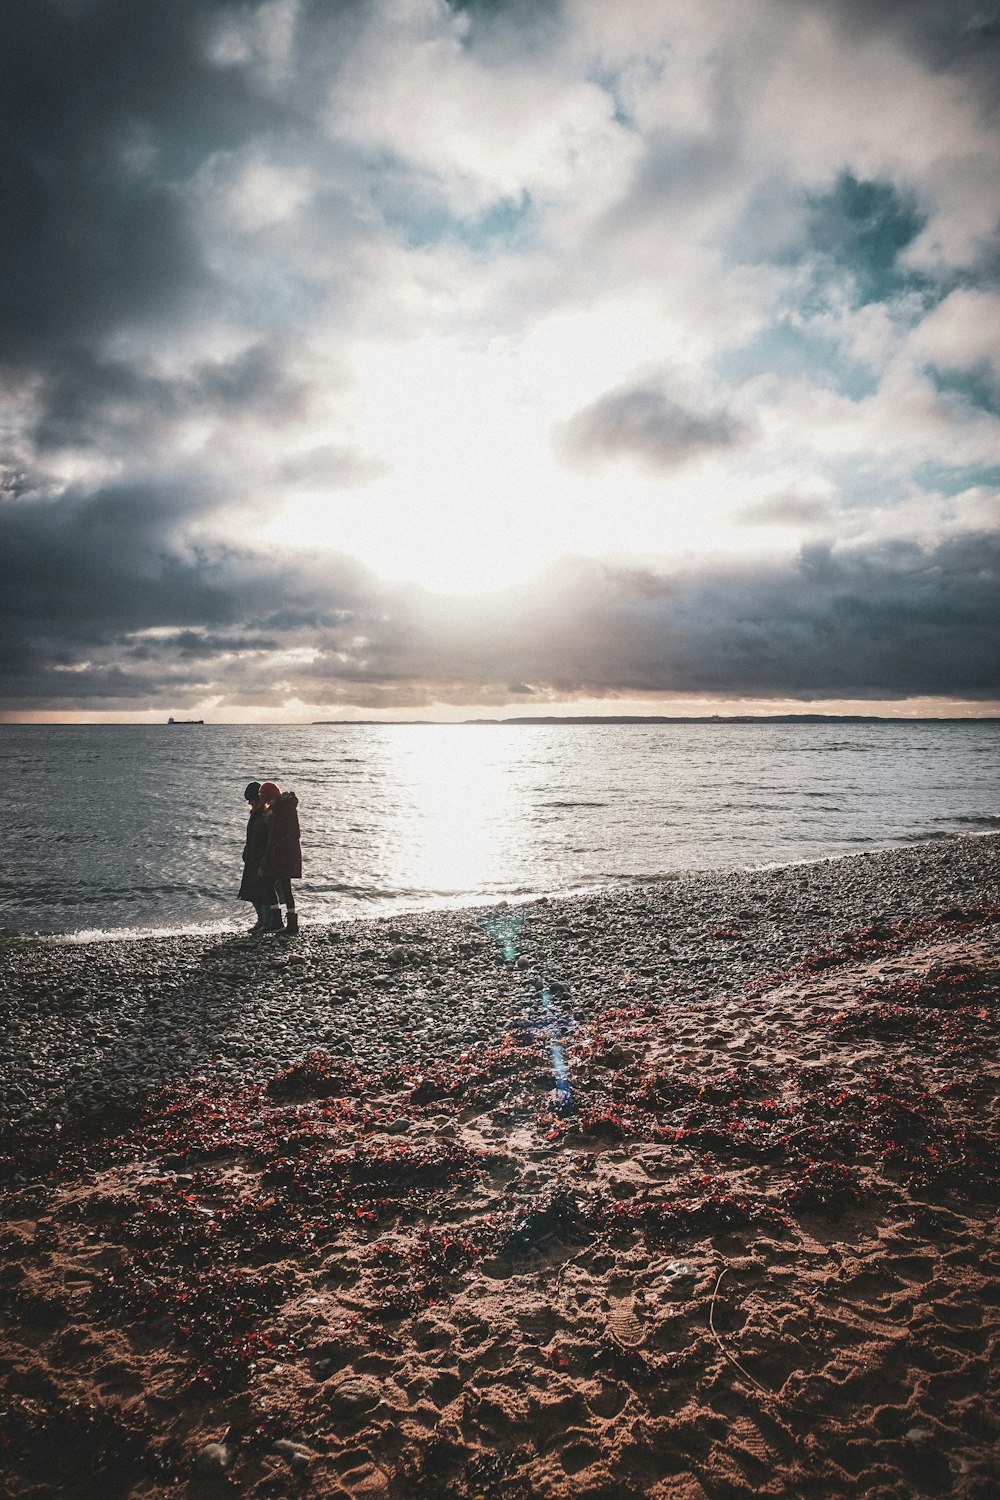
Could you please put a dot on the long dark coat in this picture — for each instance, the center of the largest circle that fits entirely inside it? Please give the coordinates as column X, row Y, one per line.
column 283, row 854
column 252, row 887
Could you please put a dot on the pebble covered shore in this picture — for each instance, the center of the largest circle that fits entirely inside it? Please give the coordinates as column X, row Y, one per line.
column 86, row 1025
column 683, row 1191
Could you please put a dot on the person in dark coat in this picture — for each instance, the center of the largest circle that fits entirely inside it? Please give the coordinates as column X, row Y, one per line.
column 282, row 860
column 253, row 887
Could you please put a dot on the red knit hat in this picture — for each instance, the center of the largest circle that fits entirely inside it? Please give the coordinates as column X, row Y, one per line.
column 269, row 791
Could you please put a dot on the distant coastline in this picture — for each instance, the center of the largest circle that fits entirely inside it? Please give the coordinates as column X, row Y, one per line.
column 674, row 719
column 545, row 719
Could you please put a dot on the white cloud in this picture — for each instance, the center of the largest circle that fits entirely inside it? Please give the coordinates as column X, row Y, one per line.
column 479, row 132
column 962, row 330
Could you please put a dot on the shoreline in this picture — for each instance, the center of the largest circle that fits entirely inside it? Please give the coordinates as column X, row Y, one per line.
column 455, row 905
column 315, row 1210
column 785, row 909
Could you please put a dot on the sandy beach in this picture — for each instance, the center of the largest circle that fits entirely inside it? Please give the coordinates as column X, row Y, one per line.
column 683, row 1190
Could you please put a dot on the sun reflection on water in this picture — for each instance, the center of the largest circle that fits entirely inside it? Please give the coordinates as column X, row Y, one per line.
column 457, row 809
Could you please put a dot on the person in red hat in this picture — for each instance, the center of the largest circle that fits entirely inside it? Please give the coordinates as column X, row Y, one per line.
column 282, row 861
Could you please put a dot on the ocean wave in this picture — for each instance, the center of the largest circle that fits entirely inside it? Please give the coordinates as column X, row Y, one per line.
column 573, row 804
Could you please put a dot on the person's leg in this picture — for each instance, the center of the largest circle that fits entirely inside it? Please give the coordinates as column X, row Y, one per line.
column 283, row 894
column 274, row 922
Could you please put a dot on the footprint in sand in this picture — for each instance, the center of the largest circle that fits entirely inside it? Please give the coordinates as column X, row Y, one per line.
column 623, row 1325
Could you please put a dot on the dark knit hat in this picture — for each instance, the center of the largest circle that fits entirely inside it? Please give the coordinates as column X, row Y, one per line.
column 252, row 793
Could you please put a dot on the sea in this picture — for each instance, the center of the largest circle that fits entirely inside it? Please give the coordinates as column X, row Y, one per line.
column 115, row 830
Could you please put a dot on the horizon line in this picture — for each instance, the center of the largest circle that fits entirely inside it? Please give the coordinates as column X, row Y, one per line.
column 521, row 719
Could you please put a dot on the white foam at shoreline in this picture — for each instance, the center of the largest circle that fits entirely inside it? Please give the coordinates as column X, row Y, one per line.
column 234, row 929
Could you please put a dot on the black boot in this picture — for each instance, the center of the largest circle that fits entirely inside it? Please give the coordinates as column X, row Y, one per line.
column 292, row 922
column 275, row 924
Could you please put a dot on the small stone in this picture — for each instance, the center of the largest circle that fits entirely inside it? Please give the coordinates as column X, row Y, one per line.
column 354, row 1396
column 212, row 1461
column 296, row 959
column 398, row 1127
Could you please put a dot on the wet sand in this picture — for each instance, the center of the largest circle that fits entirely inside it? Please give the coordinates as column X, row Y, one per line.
column 682, row 1190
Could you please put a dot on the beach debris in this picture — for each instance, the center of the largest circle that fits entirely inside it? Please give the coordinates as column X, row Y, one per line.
column 877, row 939
column 679, row 1272
column 315, row 1076
column 703, row 1205
column 212, row 1461
column 826, row 1188
column 296, row 1455
column 718, row 1338
column 943, row 1012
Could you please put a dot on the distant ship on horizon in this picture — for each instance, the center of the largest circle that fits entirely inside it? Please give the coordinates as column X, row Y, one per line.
column 185, row 721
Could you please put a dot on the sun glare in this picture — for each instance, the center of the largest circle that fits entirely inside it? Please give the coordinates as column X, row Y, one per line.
column 475, row 495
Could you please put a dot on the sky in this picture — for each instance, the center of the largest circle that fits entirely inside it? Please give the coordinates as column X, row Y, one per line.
column 476, row 358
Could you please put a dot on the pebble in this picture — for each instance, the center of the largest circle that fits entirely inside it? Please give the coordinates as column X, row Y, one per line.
column 353, row 1396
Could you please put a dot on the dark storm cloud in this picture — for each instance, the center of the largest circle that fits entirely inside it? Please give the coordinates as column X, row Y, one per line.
column 89, row 241
column 643, row 422
column 200, row 646
column 890, row 621
column 85, row 566
column 104, row 600
column 521, row 16
column 85, row 399
column 134, row 617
